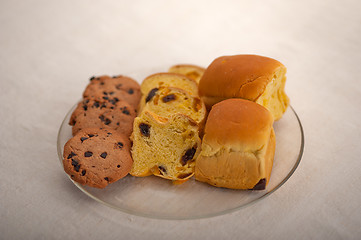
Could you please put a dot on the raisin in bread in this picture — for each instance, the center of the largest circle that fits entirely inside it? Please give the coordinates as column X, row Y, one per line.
column 152, row 83
column 192, row 71
column 164, row 147
column 168, row 100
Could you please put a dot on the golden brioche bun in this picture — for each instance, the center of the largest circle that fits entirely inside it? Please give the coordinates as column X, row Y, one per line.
column 252, row 77
column 238, row 146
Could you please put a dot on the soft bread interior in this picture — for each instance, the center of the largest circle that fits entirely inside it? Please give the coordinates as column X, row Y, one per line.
column 159, row 80
column 169, row 147
column 274, row 97
column 169, row 80
column 168, row 101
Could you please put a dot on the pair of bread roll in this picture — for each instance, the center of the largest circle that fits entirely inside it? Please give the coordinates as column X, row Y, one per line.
column 245, row 94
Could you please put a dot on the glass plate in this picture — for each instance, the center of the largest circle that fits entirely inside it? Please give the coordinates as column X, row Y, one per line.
column 155, row 197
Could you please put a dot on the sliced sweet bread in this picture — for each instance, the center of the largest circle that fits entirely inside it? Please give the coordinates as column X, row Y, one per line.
column 192, row 71
column 167, row 101
column 152, row 83
column 164, row 147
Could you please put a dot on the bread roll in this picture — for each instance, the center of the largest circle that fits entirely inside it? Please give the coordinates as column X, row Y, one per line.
column 255, row 78
column 192, row 71
column 238, row 146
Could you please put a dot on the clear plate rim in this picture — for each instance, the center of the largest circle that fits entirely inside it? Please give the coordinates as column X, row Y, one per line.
column 162, row 217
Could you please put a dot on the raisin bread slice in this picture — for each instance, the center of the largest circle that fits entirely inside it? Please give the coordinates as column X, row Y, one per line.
column 164, row 147
column 168, row 100
column 192, row 71
column 153, row 82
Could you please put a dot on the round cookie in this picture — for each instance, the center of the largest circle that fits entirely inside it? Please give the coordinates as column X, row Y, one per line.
column 110, row 89
column 97, row 157
column 118, row 115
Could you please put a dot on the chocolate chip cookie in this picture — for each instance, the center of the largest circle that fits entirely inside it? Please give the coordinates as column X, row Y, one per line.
column 97, row 157
column 90, row 113
column 110, row 89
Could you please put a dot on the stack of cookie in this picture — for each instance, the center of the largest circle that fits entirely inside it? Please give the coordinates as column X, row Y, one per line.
column 99, row 152
column 166, row 133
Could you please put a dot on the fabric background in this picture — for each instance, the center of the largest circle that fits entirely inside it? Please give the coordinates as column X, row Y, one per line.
column 49, row 49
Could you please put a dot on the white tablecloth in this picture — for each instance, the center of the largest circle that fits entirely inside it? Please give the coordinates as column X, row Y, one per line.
column 49, row 49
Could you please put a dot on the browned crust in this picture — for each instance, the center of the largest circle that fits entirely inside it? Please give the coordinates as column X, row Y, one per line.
column 237, row 76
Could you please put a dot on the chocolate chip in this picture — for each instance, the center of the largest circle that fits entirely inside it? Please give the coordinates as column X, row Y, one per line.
column 105, row 93
column 118, row 86
column 261, row 185
column 144, row 129
column 169, row 98
column 130, row 91
column 92, row 78
column 188, row 155
column 96, row 104
column 72, row 154
column 82, row 139
column 107, row 121
column 111, row 93
column 114, row 76
column 104, row 155
column 83, row 172
column 90, row 135
column 102, row 83
column 106, row 179
column 74, row 163
column 105, row 98
column 77, row 167
column 109, row 133
column 88, row 154
column 120, row 145
column 118, row 166
column 151, row 94
column 85, row 107
column 125, row 111
column 118, row 123
column 104, row 105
